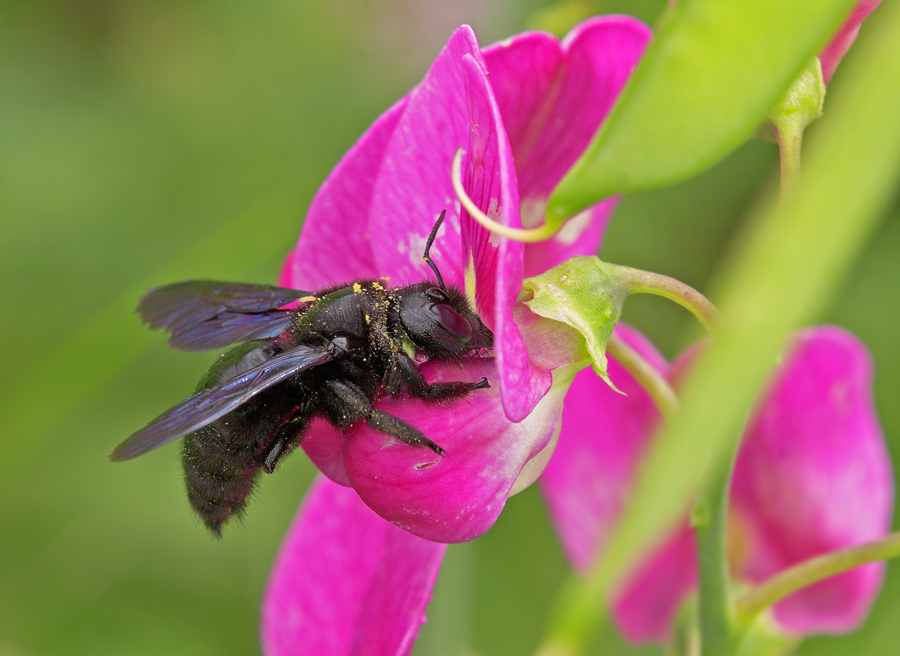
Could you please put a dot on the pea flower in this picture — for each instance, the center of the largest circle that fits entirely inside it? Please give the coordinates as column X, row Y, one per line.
column 812, row 476
column 523, row 110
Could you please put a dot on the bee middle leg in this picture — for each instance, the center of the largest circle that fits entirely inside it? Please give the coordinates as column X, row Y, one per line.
column 345, row 404
column 405, row 375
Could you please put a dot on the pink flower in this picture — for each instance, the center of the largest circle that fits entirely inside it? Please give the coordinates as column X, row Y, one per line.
column 812, row 476
column 346, row 581
column 834, row 52
column 523, row 110
column 530, row 99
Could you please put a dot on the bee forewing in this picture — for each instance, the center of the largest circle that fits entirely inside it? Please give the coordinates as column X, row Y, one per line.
column 210, row 404
column 203, row 315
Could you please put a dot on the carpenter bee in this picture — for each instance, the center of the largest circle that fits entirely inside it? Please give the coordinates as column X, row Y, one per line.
column 302, row 355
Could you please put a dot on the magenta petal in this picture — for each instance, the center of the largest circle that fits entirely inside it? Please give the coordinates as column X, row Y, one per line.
column 454, row 108
column 553, row 97
column 499, row 262
column 458, row 496
column 324, row 445
column 813, row 476
column 603, row 437
column 834, row 52
column 414, row 183
column 335, row 243
column 647, row 604
column 346, row 582
column 581, row 235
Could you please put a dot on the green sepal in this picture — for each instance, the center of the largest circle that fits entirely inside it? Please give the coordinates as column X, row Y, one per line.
column 800, row 105
column 586, row 294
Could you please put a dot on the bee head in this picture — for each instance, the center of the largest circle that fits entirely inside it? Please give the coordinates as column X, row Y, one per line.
column 440, row 322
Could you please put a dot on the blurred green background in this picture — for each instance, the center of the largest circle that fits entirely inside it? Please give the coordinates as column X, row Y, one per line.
column 148, row 142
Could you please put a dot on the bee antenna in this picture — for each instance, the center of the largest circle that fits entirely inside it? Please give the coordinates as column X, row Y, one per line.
column 428, row 244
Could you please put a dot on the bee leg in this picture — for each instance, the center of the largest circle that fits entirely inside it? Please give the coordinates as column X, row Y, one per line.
column 391, row 425
column 288, row 438
column 346, row 404
column 405, row 375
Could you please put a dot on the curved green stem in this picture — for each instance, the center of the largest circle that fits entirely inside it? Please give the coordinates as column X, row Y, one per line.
column 649, row 378
column 646, row 282
column 812, row 571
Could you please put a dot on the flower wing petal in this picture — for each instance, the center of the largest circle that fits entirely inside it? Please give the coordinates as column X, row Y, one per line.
column 324, row 445
column 454, row 108
column 498, row 263
column 346, row 582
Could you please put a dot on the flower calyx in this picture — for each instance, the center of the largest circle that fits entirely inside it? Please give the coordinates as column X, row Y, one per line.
column 586, row 294
column 800, row 105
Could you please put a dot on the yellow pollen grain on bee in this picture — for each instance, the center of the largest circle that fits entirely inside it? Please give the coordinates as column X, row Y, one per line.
column 308, row 299
column 377, row 285
column 357, row 288
column 368, row 319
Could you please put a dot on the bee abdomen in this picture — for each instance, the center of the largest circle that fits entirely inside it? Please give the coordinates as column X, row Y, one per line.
column 219, row 479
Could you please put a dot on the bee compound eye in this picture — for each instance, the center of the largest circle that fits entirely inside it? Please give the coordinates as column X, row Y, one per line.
column 453, row 322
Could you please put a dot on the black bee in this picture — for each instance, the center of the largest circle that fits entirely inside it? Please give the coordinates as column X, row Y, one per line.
column 328, row 354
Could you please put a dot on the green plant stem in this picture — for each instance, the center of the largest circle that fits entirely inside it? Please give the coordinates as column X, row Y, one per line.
column 790, row 140
column 649, row 378
column 812, row 571
column 709, row 517
column 645, row 282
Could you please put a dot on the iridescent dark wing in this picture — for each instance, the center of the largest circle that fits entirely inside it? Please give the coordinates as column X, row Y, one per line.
column 203, row 315
column 215, row 402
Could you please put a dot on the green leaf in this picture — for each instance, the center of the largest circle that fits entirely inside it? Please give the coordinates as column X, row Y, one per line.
column 714, row 71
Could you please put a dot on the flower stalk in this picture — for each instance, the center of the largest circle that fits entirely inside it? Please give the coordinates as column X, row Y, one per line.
column 811, row 571
column 646, row 282
column 790, row 142
column 649, row 378
column 800, row 106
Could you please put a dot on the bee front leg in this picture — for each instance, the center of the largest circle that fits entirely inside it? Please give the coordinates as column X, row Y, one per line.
column 405, row 375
